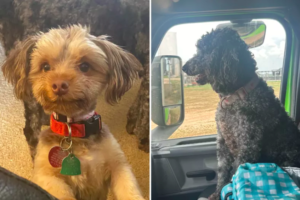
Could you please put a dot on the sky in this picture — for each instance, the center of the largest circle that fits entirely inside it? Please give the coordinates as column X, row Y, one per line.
column 268, row 56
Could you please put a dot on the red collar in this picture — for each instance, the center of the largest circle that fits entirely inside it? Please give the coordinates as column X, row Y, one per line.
column 240, row 93
column 81, row 129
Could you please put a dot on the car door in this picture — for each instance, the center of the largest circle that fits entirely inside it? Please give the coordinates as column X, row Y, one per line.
column 183, row 156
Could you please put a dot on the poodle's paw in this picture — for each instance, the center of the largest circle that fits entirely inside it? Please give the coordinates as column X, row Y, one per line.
column 214, row 196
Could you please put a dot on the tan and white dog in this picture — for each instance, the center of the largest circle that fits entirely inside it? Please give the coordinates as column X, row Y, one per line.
column 66, row 70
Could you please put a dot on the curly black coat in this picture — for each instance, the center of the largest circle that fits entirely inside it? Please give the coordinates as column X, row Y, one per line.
column 255, row 129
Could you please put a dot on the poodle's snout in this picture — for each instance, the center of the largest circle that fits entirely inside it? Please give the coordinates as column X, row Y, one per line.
column 185, row 68
column 191, row 67
column 60, row 87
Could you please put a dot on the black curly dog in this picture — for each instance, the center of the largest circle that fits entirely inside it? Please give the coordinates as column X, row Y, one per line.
column 251, row 122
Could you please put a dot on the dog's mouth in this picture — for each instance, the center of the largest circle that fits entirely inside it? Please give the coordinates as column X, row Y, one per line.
column 190, row 71
column 77, row 103
column 201, row 79
column 70, row 108
column 64, row 105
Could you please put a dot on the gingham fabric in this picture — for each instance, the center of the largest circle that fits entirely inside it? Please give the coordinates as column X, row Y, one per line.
column 262, row 181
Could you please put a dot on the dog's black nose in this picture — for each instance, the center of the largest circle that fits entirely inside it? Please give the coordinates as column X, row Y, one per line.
column 60, row 87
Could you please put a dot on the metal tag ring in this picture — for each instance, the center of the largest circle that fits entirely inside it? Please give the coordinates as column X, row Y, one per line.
column 61, row 143
column 221, row 103
column 69, row 130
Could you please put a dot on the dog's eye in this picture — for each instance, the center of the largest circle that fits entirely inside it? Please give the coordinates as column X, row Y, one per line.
column 84, row 67
column 46, row 67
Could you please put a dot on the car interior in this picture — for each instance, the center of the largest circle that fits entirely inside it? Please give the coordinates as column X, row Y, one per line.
column 183, row 160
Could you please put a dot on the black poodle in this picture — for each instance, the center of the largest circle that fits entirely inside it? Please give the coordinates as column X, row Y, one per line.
column 252, row 124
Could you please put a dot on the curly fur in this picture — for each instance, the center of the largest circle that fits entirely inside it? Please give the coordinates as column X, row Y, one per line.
column 256, row 129
column 126, row 21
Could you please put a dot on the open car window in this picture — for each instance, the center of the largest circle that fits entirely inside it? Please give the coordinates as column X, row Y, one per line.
column 201, row 101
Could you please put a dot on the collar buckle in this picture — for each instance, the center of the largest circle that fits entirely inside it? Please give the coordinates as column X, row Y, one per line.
column 92, row 124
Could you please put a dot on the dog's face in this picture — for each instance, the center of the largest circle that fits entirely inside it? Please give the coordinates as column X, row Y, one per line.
column 66, row 70
column 223, row 60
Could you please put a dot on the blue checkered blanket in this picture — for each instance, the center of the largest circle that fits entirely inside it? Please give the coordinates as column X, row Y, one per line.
column 264, row 181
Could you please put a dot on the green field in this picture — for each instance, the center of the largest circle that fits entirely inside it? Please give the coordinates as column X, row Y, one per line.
column 200, row 106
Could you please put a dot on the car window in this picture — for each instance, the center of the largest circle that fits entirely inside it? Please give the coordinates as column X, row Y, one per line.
column 201, row 101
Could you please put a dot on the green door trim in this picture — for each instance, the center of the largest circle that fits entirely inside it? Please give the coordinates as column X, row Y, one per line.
column 288, row 93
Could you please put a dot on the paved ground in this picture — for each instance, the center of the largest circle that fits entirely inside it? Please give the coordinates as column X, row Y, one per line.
column 14, row 152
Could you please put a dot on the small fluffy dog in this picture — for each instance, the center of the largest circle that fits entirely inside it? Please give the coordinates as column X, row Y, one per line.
column 66, row 70
column 252, row 124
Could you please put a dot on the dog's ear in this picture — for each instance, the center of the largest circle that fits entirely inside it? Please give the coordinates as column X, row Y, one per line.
column 230, row 65
column 123, row 69
column 237, row 61
column 17, row 65
column 232, row 62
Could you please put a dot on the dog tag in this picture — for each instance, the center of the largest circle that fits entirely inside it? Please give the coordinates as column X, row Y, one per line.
column 70, row 166
column 56, row 156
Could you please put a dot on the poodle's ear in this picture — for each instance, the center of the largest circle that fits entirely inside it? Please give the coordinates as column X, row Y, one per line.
column 236, row 59
column 123, row 69
column 17, row 65
column 230, row 65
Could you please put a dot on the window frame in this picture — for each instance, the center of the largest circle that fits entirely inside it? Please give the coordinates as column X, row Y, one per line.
column 288, row 81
